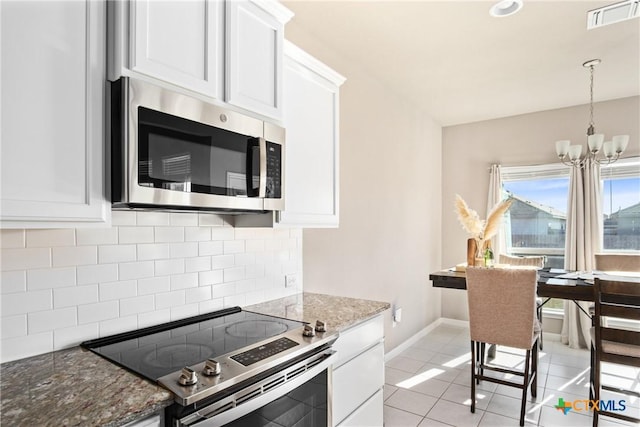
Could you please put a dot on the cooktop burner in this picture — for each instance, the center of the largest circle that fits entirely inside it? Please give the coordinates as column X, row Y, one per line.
column 157, row 351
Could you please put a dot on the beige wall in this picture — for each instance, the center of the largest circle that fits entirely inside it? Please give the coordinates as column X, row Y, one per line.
column 390, row 192
column 529, row 139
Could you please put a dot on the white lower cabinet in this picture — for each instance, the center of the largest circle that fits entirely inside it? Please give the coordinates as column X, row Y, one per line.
column 358, row 375
column 52, row 114
column 369, row 414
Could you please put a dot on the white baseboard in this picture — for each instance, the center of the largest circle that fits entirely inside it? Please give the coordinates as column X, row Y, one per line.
column 416, row 337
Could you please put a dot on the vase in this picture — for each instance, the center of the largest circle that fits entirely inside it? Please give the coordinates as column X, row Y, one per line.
column 475, row 252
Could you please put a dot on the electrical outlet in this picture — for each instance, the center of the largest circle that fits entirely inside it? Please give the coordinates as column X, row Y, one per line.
column 397, row 315
column 290, row 281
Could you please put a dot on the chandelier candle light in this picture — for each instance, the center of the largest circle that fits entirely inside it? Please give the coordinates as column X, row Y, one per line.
column 571, row 155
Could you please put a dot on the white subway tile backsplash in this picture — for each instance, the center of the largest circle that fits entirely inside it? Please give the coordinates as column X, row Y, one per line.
column 142, row 304
column 153, row 251
column 70, row 337
column 118, row 290
column 169, row 266
column 13, row 281
column 44, row 238
column 116, row 326
column 97, row 274
column 75, row 295
column 197, row 234
column 170, row 299
column 183, row 219
column 233, row 246
column 135, row 235
column 154, row 318
column 116, row 253
column 136, row 270
column 197, row 264
column 183, row 281
column 207, row 219
column 223, row 233
column 26, row 302
column 210, row 248
column 12, row 238
column 123, row 218
column 24, row 259
column 91, row 313
column 200, row 294
column 16, row 326
column 74, row 255
column 212, row 277
column 211, row 305
column 183, row 250
column 152, row 218
column 46, row 278
column 63, row 286
column 233, row 274
column 222, row 261
column 96, row 236
column 169, row 234
column 51, row 320
column 184, row 311
column 29, row 345
column 154, row 285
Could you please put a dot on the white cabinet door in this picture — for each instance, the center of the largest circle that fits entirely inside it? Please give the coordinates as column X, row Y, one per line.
column 356, row 381
column 311, row 109
column 253, row 59
column 52, row 85
column 178, row 41
column 370, row 414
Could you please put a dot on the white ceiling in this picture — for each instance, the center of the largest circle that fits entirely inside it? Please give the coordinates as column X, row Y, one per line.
column 462, row 65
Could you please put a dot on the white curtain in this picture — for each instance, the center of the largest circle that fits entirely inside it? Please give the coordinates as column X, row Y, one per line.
column 583, row 240
column 498, row 242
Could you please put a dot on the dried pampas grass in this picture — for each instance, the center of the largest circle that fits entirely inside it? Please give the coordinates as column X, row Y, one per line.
column 479, row 229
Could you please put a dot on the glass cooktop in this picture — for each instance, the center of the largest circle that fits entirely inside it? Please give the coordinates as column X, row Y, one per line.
column 163, row 349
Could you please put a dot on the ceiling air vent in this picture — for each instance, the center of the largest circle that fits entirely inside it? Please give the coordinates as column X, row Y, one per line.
column 613, row 13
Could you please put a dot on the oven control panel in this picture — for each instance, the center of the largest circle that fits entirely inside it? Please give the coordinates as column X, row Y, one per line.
column 259, row 353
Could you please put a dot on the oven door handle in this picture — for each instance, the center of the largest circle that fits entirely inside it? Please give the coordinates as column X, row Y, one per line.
column 202, row 419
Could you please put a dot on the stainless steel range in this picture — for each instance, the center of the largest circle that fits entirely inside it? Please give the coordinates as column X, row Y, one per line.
column 232, row 368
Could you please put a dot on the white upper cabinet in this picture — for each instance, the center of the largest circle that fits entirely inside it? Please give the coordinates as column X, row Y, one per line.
column 230, row 51
column 254, row 41
column 311, row 112
column 179, row 42
column 52, row 133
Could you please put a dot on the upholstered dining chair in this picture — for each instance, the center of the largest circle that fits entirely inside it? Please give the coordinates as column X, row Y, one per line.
column 502, row 311
column 617, row 262
column 619, row 299
column 532, row 261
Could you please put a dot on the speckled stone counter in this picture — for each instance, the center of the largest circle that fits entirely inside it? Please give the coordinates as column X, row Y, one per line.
column 339, row 313
column 75, row 388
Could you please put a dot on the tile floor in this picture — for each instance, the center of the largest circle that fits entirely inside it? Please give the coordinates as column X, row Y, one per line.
column 428, row 385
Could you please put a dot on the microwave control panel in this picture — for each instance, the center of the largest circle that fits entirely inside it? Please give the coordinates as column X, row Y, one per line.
column 274, row 171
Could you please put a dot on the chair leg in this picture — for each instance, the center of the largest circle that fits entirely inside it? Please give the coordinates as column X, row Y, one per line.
column 595, row 367
column 474, row 356
column 482, row 359
column 539, row 311
column 534, row 371
column 523, row 404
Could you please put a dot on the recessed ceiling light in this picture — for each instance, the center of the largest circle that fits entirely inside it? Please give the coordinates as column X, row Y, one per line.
column 505, row 8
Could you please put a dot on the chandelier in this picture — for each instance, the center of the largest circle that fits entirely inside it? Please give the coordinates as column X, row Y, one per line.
column 571, row 155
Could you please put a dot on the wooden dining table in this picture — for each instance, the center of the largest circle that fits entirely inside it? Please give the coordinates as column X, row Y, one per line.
column 551, row 283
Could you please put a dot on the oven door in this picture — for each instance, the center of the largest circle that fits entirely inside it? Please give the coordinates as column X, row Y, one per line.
column 297, row 396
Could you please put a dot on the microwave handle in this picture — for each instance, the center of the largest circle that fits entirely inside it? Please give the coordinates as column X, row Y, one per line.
column 262, row 187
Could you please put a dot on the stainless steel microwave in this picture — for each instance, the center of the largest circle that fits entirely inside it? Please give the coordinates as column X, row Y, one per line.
column 173, row 151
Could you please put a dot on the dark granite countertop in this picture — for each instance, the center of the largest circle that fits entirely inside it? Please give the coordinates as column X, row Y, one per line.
column 75, row 387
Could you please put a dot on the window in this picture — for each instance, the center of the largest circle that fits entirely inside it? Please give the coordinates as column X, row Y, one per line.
column 621, row 205
column 536, row 222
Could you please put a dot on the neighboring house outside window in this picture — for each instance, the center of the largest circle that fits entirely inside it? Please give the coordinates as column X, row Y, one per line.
column 536, row 222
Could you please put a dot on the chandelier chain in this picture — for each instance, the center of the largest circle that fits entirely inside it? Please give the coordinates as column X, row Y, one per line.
column 591, row 124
